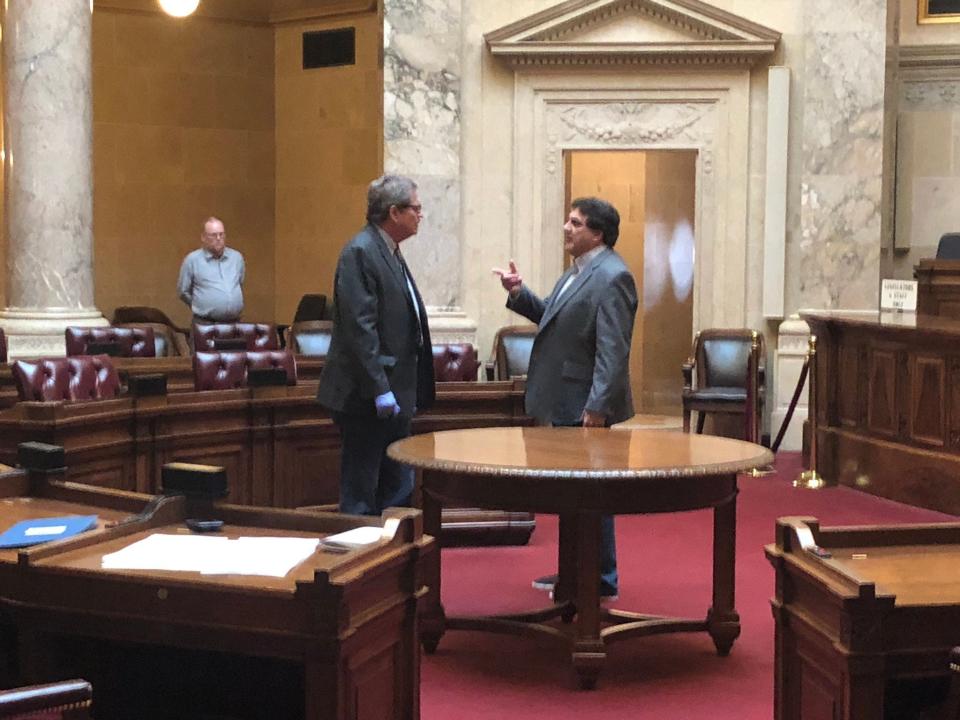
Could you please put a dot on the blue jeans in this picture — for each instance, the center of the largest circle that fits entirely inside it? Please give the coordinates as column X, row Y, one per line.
column 370, row 482
column 609, row 580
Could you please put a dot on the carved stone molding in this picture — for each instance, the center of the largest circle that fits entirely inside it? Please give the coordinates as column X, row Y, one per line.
column 635, row 123
column 588, row 33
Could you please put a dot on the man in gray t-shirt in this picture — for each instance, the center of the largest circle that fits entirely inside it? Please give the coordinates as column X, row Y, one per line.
column 211, row 278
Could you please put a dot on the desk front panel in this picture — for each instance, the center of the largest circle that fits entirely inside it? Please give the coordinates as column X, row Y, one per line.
column 888, row 407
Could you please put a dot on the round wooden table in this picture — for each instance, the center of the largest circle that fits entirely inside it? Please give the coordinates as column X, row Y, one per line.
column 581, row 474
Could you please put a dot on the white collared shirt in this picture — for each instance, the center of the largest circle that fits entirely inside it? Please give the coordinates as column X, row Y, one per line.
column 580, row 264
column 393, row 247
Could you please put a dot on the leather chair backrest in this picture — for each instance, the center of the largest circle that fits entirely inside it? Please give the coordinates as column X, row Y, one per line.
column 125, row 314
column 167, row 342
column 512, row 347
column 311, row 337
column 311, row 307
column 455, row 362
column 228, row 370
column 258, row 336
column 3, row 346
column 131, row 341
column 81, row 377
column 722, row 357
column 949, row 247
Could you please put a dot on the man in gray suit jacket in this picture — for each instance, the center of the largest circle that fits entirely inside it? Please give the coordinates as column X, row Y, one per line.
column 379, row 369
column 579, row 372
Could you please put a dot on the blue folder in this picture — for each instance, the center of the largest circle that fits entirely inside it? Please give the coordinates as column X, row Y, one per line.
column 41, row 530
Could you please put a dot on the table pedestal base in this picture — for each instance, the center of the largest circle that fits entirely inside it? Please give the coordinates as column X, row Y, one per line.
column 577, row 619
column 588, row 654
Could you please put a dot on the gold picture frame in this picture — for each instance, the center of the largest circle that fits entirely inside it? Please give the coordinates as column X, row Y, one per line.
column 938, row 11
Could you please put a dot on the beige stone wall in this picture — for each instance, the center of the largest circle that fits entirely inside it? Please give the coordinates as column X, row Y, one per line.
column 912, row 33
column 183, row 128
column 329, row 125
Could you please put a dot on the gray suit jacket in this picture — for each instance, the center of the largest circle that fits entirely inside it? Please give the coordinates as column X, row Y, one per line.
column 580, row 357
column 377, row 344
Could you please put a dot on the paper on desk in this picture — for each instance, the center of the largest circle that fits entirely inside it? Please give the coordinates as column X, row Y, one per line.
column 364, row 535
column 270, row 556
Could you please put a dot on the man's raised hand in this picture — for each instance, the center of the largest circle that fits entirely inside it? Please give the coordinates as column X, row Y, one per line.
column 510, row 279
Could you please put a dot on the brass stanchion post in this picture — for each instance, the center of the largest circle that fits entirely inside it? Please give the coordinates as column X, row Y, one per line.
column 811, row 479
column 753, row 402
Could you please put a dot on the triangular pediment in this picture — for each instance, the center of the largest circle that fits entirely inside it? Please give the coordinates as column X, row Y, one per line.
column 632, row 31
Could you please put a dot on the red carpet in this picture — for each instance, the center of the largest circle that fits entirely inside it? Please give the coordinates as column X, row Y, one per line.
column 664, row 563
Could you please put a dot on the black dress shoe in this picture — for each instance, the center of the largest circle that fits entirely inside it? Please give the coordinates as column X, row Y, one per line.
column 545, row 583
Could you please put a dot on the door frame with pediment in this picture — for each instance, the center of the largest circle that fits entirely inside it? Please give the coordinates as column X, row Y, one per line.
column 710, row 115
column 690, row 91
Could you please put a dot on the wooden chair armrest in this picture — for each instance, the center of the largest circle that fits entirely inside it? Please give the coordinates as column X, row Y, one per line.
column 489, row 368
column 687, row 369
column 68, row 694
column 282, row 329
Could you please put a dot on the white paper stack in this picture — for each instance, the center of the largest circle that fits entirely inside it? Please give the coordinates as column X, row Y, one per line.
column 270, row 556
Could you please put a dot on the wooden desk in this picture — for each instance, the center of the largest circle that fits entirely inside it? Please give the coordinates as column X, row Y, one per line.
column 938, row 287
column 280, row 447
column 334, row 639
column 888, row 405
column 581, row 474
column 872, row 621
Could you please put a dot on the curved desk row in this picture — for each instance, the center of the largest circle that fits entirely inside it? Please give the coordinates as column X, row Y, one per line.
column 280, row 448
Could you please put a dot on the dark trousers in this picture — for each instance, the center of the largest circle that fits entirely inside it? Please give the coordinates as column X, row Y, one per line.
column 609, row 579
column 369, row 480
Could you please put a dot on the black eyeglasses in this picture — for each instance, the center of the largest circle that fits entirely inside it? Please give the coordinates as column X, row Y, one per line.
column 418, row 209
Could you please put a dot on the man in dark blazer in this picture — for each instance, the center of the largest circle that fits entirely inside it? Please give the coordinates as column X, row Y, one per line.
column 579, row 372
column 379, row 369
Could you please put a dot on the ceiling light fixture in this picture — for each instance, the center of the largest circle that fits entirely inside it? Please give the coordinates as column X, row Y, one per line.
column 179, row 8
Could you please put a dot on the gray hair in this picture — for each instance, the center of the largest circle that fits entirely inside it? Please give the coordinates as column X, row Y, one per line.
column 386, row 191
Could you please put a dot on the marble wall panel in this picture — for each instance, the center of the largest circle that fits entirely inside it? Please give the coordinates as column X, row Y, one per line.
column 843, row 107
column 422, row 132
column 48, row 154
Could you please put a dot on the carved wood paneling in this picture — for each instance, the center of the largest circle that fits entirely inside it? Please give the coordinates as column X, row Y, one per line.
column 848, row 378
column 927, row 399
column 907, row 446
column 881, row 393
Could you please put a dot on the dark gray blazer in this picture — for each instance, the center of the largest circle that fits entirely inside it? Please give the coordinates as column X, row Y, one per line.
column 581, row 355
column 377, row 343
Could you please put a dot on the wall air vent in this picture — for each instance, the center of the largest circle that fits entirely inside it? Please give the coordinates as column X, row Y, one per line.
column 329, row 48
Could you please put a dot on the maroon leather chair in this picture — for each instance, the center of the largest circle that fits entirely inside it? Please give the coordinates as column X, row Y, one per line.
column 455, row 362
column 81, row 377
column 258, row 336
column 228, row 370
column 66, row 700
column 131, row 341
column 3, row 346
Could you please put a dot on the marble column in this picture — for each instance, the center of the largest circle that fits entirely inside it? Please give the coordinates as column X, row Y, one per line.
column 421, row 107
column 48, row 146
column 846, row 137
